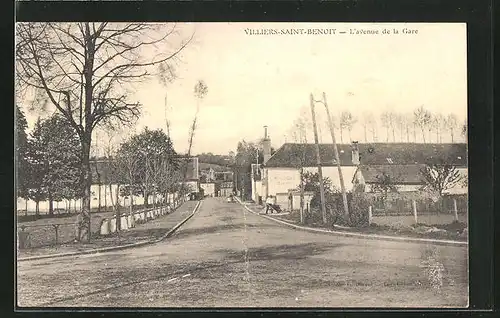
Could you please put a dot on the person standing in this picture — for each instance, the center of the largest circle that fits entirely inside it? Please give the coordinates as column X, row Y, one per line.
column 269, row 204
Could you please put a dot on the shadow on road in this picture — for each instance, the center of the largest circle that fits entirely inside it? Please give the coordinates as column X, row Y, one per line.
column 276, row 252
column 184, row 233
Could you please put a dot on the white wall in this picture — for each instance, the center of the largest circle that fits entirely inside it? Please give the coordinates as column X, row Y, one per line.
column 257, row 190
column 208, row 188
column 283, row 179
column 107, row 197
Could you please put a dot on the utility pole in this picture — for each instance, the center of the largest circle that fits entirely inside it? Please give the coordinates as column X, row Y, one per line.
column 336, row 153
column 318, row 158
column 254, row 177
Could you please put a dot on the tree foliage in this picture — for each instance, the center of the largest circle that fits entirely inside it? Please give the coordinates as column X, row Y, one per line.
column 386, row 184
column 145, row 159
column 21, row 144
column 54, row 164
column 440, row 176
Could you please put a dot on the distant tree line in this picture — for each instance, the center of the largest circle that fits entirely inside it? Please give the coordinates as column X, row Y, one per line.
column 421, row 125
column 221, row 160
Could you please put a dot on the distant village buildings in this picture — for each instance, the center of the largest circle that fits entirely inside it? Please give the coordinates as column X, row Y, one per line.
column 361, row 164
column 216, row 183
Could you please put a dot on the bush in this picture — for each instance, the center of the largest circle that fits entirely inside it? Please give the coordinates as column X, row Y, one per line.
column 315, row 217
column 358, row 212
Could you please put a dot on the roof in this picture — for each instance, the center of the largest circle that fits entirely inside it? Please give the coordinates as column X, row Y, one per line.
column 290, row 155
column 399, row 174
column 100, row 166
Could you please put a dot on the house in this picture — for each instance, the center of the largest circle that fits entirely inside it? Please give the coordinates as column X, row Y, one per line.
column 401, row 165
column 280, row 172
column 208, row 188
column 224, row 183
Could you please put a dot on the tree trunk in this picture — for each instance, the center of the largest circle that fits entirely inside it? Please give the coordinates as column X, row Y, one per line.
column 146, row 199
column 26, row 207
column 407, row 134
column 99, row 197
column 341, row 137
column 393, row 135
column 37, row 208
column 366, row 139
column 105, row 198
column 51, row 204
column 423, row 134
column 131, row 202
column 387, row 134
column 451, row 131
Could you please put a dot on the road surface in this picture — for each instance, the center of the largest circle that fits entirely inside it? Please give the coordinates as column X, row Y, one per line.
column 227, row 257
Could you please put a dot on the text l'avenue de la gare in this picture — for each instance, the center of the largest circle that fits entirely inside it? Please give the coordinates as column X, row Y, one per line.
column 331, row 31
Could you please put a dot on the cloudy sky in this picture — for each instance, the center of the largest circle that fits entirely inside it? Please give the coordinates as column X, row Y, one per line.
column 257, row 80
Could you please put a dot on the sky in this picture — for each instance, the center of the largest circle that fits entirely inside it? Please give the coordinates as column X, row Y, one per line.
column 256, row 80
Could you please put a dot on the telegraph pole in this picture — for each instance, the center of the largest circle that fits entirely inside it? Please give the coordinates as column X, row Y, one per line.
column 336, row 153
column 318, row 158
column 254, row 172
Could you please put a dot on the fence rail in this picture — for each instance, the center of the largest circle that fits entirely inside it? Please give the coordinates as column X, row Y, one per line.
column 50, row 234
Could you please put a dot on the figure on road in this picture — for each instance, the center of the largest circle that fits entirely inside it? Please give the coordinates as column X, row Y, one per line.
column 269, row 204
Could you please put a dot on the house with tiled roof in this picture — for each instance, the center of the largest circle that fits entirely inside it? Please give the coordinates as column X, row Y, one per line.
column 359, row 162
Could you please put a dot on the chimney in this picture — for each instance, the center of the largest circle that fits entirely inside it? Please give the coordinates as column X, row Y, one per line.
column 355, row 153
column 266, row 145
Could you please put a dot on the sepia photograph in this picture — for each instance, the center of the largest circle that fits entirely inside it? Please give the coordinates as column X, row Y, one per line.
column 237, row 165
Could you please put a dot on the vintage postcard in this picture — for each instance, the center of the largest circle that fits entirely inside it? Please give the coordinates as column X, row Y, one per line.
column 241, row 165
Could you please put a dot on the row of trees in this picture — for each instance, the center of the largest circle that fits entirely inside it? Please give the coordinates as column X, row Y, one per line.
column 86, row 72
column 49, row 167
column 421, row 124
column 48, row 161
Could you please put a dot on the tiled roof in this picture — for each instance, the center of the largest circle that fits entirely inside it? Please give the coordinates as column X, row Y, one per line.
column 101, row 165
column 291, row 154
column 399, row 174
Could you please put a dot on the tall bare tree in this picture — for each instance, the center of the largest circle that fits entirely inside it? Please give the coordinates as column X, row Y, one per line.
column 347, row 121
column 437, row 123
column 422, row 119
column 451, row 124
column 464, row 130
column 388, row 121
column 369, row 124
column 86, row 71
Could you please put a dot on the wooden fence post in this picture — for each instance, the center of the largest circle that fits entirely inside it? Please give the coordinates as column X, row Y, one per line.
column 455, row 210
column 56, row 228
column 370, row 215
column 414, row 205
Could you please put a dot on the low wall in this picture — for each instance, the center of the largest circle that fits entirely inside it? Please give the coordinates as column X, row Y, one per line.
column 108, row 226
